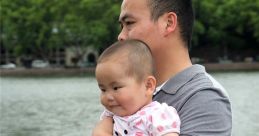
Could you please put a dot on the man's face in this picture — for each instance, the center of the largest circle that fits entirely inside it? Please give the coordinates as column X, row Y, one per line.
column 136, row 23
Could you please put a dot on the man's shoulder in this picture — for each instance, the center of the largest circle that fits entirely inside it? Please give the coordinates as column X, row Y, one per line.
column 197, row 83
column 191, row 79
column 203, row 83
column 201, row 102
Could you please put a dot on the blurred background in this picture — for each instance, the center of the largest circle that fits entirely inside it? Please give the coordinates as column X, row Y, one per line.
column 49, row 48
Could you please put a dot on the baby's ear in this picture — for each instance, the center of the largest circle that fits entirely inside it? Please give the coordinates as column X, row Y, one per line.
column 151, row 84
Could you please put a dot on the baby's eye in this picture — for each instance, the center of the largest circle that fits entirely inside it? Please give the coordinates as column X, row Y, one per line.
column 116, row 88
column 103, row 90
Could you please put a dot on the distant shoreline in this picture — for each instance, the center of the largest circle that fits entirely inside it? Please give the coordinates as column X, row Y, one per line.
column 210, row 67
column 240, row 66
column 46, row 72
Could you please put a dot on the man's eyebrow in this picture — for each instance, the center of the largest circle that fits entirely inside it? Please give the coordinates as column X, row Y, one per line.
column 124, row 17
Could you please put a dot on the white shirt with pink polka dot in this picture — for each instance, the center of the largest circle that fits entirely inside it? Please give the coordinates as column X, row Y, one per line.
column 154, row 119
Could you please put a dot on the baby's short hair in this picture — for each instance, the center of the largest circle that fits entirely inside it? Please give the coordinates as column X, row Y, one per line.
column 139, row 61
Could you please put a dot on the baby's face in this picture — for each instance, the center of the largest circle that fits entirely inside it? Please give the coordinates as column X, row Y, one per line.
column 120, row 93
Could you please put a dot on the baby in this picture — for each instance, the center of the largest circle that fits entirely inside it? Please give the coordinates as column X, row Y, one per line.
column 125, row 75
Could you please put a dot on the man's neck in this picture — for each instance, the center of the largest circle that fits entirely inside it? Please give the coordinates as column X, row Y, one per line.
column 165, row 73
column 167, row 68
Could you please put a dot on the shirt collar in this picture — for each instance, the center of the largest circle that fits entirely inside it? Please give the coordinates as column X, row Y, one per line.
column 176, row 82
column 159, row 88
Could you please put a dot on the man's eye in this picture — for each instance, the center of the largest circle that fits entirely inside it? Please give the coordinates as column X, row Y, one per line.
column 129, row 22
column 121, row 25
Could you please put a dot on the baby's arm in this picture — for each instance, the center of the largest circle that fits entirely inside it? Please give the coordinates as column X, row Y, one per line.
column 171, row 134
column 104, row 127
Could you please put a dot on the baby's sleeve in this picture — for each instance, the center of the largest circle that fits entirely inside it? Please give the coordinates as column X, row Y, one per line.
column 163, row 120
column 106, row 113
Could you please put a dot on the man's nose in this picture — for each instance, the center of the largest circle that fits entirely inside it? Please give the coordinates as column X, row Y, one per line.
column 122, row 36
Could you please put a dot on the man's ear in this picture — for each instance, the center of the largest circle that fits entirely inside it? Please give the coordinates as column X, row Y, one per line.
column 171, row 22
column 150, row 84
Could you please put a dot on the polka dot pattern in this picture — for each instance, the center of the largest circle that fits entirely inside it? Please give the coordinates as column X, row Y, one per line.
column 153, row 119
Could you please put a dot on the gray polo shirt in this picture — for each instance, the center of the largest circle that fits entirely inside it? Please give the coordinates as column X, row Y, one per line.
column 202, row 103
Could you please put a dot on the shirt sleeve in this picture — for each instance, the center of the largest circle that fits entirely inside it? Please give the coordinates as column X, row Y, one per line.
column 106, row 113
column 163, row 120
column 206, row 113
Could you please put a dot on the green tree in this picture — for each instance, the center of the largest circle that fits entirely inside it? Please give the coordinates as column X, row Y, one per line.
column 227, row 25
column 37, row 28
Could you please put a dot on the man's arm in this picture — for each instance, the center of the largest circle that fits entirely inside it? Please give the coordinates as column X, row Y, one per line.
column 103, row 127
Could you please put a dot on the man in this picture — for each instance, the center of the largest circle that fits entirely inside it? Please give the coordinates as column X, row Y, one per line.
column 166, row 26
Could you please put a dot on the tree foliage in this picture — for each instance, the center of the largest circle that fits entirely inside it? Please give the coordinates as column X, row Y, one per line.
column 37, row 27
column 231, row 23
column 32, row 27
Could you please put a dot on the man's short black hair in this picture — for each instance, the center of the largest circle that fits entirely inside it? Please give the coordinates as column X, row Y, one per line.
column 183, row 10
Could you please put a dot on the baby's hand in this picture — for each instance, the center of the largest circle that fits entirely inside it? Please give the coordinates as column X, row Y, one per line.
column 104, row 127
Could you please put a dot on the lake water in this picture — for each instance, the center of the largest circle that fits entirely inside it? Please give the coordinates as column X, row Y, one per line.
column 69, row 106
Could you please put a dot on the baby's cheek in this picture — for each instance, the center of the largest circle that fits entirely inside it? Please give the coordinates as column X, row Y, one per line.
column 103, row 101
